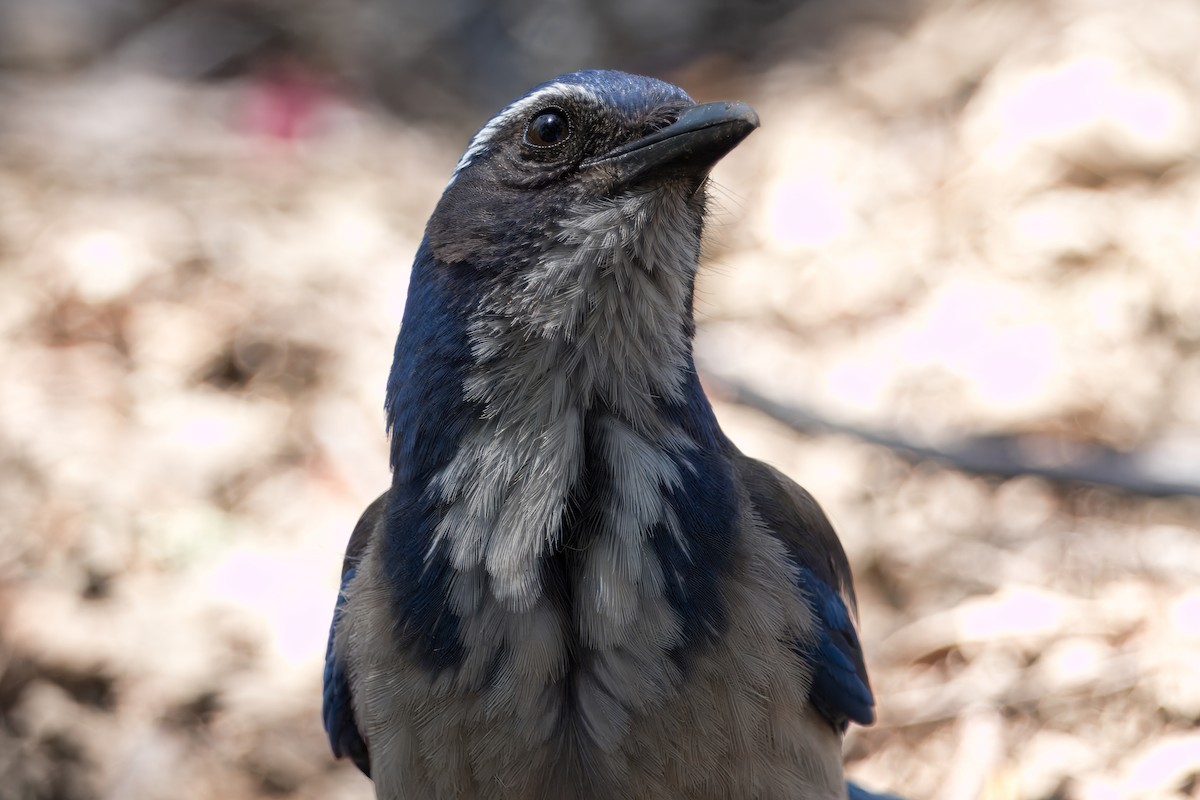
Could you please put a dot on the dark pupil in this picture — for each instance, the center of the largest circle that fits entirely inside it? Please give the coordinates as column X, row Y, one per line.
column 548, row 128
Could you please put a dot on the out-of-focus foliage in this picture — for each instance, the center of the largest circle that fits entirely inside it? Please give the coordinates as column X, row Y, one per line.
column 957, row 217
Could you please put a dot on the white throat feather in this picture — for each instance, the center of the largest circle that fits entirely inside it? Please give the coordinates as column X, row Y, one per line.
column 598, row 323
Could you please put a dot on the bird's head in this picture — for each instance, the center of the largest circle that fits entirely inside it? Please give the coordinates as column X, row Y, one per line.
column 581, row 141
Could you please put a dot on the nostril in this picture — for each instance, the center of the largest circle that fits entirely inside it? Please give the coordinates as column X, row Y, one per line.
column 660, row 119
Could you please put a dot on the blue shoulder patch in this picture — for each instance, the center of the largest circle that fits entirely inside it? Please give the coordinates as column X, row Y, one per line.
column 420, row 581
column 695, row 570
column 336, row 708
column 839, row 688
column 705, row 504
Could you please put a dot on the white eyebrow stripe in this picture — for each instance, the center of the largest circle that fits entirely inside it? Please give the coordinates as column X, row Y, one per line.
column 519, row 108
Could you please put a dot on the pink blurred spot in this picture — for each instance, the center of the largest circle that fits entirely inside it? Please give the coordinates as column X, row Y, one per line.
column 284, row 102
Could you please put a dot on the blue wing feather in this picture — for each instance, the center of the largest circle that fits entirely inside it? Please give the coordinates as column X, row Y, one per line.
column 839, row 688
column 856, row 792
column 337, row 707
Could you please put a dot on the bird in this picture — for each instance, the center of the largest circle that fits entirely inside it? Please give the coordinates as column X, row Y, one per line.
column 576, row 585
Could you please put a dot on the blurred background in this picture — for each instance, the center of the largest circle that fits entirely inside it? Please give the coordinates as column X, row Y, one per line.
column 959, row 220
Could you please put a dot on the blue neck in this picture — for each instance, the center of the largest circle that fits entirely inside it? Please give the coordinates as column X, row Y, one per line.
column 427, row 414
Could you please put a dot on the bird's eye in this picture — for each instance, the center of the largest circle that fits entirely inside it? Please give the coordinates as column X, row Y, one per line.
column 547, row 128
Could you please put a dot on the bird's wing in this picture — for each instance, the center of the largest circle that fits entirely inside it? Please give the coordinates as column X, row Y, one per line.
column 840, row 688
column 856, row 792
column 336, row 706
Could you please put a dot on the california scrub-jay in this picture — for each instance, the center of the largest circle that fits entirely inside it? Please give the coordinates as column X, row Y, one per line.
column 577, row 586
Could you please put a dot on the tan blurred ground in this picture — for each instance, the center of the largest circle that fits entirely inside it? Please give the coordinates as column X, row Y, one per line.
column 989, row 222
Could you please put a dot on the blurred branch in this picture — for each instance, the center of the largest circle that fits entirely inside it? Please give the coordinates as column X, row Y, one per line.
column 1153, row 471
